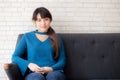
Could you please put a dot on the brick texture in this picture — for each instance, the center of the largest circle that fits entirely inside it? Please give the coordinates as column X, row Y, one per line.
column 69, row 16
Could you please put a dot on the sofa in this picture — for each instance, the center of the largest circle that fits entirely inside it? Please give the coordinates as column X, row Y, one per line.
column 90, row 56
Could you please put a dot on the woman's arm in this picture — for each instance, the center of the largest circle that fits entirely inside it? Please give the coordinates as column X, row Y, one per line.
column 20, row 50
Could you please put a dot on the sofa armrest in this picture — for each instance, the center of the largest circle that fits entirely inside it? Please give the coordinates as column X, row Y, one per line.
column 13, row 71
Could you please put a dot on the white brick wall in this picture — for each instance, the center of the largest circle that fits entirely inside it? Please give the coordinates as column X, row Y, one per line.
column 69, row 16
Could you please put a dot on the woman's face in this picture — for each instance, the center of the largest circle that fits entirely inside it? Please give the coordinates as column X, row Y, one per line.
column 42, row 24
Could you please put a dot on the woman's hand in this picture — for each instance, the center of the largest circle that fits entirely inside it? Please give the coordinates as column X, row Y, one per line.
column 35, row 68
column 47, row 69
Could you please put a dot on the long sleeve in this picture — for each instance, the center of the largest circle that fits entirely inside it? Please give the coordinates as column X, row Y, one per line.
column 17, row 56
column 62, row 58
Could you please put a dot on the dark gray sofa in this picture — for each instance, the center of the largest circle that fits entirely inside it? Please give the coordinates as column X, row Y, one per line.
column 90, row 56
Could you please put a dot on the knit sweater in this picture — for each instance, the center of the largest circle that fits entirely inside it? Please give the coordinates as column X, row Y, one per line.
column 38, row 52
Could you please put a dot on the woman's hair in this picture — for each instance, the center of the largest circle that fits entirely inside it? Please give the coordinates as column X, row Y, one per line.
column 44, row 13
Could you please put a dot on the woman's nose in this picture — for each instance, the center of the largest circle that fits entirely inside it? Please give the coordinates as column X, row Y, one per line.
column 42, row 22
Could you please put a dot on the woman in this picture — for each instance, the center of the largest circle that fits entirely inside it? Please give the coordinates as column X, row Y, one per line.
column 44, row 49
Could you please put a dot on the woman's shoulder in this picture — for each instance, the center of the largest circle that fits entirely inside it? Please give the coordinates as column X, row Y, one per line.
column 60, row 38
column 28, row 34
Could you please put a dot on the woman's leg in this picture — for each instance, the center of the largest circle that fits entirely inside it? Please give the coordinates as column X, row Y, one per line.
column 55, row 75
column 35, row 76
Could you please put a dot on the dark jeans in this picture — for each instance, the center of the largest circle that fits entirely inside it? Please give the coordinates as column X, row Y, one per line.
column 55, row 75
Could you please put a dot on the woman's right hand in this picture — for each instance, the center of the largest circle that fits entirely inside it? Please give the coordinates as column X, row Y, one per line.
column 35, row 68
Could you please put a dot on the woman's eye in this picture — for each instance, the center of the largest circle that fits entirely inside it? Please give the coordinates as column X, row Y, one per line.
column 46, row 19
column 39, row 20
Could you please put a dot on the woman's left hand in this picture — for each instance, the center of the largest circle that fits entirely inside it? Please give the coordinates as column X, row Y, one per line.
column 47, row 69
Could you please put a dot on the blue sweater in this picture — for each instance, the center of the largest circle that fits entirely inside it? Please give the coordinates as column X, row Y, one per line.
column 38, row 52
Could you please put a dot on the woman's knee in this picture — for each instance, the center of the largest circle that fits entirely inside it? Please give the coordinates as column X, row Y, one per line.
column 55, row 75
column 35, row 76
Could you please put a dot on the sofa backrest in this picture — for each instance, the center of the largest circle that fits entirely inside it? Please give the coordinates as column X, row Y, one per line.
column 92, row 56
